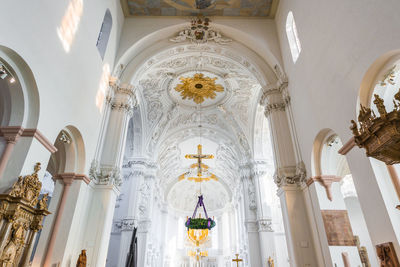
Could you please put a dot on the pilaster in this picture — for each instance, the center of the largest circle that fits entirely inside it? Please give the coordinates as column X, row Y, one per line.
column 290, row 174
column 105, row 170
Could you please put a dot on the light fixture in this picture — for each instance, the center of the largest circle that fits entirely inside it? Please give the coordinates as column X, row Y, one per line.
column 3, row 72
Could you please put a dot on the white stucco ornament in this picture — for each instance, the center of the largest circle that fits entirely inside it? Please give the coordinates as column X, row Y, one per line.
column 200, row 32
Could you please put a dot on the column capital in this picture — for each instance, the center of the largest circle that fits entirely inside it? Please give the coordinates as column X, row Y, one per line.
column 127, row 224
column 265, row 225
column 105, row 175
column 11, row 133
column 291, row 175
column 121, row 96
column 274, row 98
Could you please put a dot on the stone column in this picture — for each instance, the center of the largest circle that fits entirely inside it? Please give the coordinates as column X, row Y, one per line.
column 250, row 202
column 67, row 181
column 289, row 175
column 144, row 214
column 11, row 135
column 105, row 169
column 129, row 208
column 264, row 220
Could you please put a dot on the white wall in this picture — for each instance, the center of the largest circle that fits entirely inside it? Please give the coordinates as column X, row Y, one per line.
column 339, row 41
column 67, row 82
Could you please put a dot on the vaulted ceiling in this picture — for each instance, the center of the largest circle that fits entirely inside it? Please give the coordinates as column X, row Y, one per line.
column 235, row 8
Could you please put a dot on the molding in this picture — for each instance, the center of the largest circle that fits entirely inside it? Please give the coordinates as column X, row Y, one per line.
column 41, row 138
column 326, row 181
column 9, row 131
column 69, row 177
column 347, row 146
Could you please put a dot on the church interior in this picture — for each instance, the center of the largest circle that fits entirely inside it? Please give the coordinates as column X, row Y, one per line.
column 199, row 133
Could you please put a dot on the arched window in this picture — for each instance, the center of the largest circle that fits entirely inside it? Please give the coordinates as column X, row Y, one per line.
column 293, row 37
column 104, row 33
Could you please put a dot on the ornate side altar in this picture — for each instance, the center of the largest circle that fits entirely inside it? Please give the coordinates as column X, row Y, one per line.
column 21, row 216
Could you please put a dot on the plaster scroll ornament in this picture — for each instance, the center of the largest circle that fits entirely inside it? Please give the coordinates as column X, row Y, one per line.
column 198, row 88
column 144, row 194
column 200, row 32
column 252, row 195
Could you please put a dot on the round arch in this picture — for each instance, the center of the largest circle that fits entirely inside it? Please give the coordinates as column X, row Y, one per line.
column 325, row 158
column 374, row 73
column 70, row 155
column 23, row 108
column 148, row 45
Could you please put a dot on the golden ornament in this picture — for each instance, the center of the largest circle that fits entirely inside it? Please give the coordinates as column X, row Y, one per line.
column 198, row 88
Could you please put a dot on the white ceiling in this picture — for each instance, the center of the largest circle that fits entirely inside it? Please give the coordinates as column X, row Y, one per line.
column 170, row 125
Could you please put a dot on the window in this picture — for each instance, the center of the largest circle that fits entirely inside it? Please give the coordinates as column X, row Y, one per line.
column 293, row 37
column 104, row 33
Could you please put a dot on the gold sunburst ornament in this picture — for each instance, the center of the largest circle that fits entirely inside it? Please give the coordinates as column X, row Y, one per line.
column 198, row 88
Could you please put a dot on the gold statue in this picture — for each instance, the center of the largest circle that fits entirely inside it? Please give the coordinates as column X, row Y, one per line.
column 43, row 202
column 13, row 247
column 27, row 217
column 271, row 262
column 82, row 259
column 380, row 106
column 354, row 128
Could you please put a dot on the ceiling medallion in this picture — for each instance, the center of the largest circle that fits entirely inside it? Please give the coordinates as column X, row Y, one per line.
column 198, row 88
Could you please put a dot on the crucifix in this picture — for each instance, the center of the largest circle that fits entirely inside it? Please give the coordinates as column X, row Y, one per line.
column 237, row 260
column 199, row 156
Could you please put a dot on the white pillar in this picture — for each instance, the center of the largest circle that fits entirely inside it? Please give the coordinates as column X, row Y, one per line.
column 289, row 175
column 264, row 220
column 105, row 170
column 250, row 202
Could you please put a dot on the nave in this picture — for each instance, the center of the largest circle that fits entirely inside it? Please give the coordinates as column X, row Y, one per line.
column 199, row 133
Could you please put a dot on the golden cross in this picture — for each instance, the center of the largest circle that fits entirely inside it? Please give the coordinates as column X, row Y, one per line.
column 199, row 156
column 237, row 260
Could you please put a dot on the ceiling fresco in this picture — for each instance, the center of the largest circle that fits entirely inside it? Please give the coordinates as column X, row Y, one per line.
column 230, row 8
